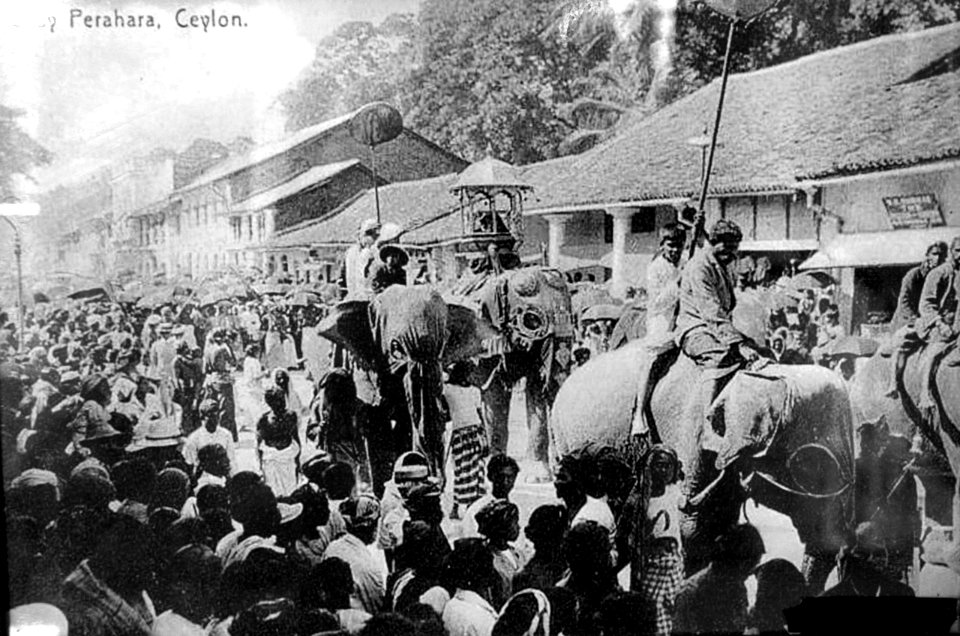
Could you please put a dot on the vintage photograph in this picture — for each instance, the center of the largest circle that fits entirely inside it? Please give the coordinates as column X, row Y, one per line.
column 480, row 317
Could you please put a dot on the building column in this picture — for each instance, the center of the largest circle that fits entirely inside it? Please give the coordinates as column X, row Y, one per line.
column 556, row 224
column 269, row 223
column 621, row 227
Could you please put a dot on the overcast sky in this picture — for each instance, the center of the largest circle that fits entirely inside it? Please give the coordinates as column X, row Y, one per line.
column 96, row 94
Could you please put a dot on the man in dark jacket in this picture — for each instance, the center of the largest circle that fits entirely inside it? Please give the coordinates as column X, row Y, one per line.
column 908, row 311
column 705, row 329
column 938, row 324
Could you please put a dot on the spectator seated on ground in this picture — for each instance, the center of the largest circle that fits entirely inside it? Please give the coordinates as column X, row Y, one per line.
column 470, row 573
column 715, row 598
column 499, row 524
column 862, row 565
column 329, row 585
column 369, row 573
column 545, row 530
column 502, row 472
column 780, row 586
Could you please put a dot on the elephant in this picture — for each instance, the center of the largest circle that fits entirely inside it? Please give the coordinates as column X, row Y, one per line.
column 530, row 310
column 941, row 451
column 781, row 435
column 403, row 338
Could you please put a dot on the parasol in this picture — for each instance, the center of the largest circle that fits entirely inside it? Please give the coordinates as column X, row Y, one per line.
column 213, row 298
column 602, row 312
column 856, row 346
column 737, row 11
column 303, row 299
column 810, row 280
column 271, row 289
column 372, row 125
column 157, row 297
column 89, row 293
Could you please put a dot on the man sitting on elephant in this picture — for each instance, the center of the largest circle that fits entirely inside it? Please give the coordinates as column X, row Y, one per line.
column 663, row 291
column 938, row 324
column 906, row 339
column 705, row 330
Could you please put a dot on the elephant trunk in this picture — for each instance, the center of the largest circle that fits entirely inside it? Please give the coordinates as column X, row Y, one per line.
column 423, row 385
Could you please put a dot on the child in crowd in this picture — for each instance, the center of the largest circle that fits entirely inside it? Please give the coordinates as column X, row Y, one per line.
column 469, row 446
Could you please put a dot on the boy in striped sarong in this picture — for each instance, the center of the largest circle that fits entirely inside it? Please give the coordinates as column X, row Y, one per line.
column 468, row 438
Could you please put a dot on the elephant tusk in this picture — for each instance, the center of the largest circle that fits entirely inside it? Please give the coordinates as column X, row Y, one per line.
column 697, row 500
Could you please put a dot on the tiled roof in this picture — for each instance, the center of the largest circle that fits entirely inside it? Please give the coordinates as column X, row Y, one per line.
column 312, row 177
column 263, row 152
column 409, row 204
column 888, row 102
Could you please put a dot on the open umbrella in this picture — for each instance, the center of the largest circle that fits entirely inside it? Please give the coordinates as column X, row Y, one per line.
column 602, row 312
column 810, row 280
column 375, row 124
column 157, row 296
column 856, row 346
column 89, row 294
column 213, row 298
column 275, row 289
column 303, row 298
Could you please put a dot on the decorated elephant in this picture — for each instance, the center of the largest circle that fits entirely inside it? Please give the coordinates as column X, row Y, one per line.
column 940, row 427
column 401, row 340
column 781, row 435
column 530, row 310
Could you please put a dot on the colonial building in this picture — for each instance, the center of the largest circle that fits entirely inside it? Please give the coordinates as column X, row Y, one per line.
column 213, row 207
column 224, row 217
column 428, row 213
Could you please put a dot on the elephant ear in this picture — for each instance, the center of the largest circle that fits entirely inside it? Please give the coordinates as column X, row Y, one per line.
column 348, row 325
column 468, row 335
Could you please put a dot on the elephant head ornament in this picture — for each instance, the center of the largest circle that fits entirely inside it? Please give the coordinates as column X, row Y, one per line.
column 409, row 333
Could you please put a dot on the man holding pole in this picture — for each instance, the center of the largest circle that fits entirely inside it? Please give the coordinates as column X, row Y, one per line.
column 705, row 330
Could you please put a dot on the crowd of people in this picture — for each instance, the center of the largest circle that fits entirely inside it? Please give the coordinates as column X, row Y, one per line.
column 133, row 506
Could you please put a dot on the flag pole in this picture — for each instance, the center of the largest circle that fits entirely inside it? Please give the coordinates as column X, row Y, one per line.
column 705, row 180
column 376, row 188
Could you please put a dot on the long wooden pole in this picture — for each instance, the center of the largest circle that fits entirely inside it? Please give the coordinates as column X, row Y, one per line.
column 705, row 181
column 376, row 188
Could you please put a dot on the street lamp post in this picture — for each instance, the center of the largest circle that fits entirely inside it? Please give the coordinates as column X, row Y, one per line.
column 17, row 252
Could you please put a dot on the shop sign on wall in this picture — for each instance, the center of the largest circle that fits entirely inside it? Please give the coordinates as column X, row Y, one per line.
column 913, row 211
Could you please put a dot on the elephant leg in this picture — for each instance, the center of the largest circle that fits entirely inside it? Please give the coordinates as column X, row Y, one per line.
column 538, row 413
column 375, row 422
column 496, row 414
column 701, row 527
column 422, row 391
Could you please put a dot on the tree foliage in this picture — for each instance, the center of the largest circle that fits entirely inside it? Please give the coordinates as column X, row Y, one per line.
column 530, row 79
column 19, row 153
column 357, row 64
column 488, row 82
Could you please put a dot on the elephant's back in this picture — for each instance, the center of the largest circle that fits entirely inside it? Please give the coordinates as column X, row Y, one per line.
column 595, row 404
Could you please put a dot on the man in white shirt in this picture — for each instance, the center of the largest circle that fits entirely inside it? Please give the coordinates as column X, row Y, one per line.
column 358, row 257
column 663, row 296
column 210, row 432
column 502, row 472
column 369, row 570
column 163, row 353
column 469, row 612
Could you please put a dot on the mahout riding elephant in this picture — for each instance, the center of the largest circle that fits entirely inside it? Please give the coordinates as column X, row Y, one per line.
column 781, row 436
column 403, row 338
column 531, row 312
column 940, row 427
